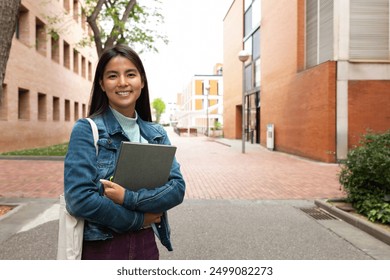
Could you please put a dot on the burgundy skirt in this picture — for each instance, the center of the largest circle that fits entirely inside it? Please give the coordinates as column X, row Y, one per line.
column 136, row 245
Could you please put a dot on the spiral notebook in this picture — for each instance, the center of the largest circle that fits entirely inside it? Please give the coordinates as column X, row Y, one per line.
column 142, row 165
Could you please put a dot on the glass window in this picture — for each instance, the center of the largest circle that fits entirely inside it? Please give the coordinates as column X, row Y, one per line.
column 256, row 44
column 248, row 22
column 256, row 13
column 248, row 77
column 248, row 47
column 257, row 73
column 247, row 4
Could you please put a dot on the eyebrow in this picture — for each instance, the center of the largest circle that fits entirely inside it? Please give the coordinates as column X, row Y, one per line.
column 116, row 72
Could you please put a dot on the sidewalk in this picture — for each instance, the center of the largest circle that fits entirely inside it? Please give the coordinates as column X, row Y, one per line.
column 213, row 169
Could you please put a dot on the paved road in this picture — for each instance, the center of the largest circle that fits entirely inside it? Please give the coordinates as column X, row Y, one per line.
column 237, row 206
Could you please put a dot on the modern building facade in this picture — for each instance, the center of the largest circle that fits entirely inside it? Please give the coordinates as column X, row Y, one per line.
column 200, row 105
column 48, row 78
column 319, row 73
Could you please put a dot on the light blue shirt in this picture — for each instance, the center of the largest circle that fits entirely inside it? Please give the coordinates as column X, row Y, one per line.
column 130, row 126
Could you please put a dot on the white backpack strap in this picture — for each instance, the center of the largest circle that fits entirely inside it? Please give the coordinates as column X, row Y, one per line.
column 95, row 133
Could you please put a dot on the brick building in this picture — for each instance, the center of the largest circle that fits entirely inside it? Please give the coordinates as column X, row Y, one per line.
column 319, row 72
column 48, row 78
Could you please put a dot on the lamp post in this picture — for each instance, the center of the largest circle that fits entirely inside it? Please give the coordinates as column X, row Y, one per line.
column 207, row 88
column 243, row 56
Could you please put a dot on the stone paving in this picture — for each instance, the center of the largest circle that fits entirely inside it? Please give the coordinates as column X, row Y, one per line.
column 213, row 169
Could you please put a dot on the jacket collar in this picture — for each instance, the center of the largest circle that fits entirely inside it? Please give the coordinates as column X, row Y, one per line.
column 114, row 127
column 149, row 131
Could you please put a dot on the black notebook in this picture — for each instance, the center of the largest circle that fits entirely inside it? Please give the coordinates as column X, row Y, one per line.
column 142, row 165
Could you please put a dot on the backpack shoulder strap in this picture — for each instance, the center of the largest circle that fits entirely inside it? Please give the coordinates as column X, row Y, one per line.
column 94, row 132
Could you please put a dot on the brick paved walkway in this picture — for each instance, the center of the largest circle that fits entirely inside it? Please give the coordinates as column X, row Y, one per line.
column 212, row 170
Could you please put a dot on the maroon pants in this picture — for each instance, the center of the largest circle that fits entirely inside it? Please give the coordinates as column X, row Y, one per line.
column 137, row 245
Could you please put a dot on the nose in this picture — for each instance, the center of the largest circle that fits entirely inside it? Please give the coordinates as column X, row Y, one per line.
column 122, row 81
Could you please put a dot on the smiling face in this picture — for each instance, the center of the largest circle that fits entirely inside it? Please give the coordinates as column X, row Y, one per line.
column 123, row 84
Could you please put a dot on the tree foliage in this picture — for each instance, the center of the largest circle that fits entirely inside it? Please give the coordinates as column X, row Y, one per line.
column 123, row 21
column 159, row 106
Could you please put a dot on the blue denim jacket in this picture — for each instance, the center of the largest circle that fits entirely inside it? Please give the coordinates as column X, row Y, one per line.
column 84, row 192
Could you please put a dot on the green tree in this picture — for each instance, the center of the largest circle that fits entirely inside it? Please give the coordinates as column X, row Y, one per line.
column 117, row 21
column 124, row 21
column 159, row 106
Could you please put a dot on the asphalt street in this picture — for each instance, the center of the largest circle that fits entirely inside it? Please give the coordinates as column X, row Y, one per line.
column 211, row 230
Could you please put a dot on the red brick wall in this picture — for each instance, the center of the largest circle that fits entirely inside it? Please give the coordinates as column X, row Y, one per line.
column 368, row 108
column 303, row 112
column 301, row 104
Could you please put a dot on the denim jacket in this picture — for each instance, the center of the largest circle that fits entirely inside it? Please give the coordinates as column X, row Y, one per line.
column 84, row 192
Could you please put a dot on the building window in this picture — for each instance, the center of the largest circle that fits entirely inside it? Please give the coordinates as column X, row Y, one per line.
column 55, row 49
column 56, row 109
column 84, row 110
column 67, row 6
column 252, row 21
column 369, row 30
column 3, row 104
column 248, row 77
column 83, row 67
column 89, row 71
column 76, row 61
column 67, row 110
column 256, row 13
column 257, row 73
column 248, row 21
column 319, row 31
column 76, row 111
column 40, row 37
column 42, row 107
column 252, row 16
column 22, row 27
column 23, row 104
column 76, row 10
column 66, row 55
column 84, row 21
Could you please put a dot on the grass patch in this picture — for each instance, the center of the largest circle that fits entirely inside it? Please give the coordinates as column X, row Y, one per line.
column 55, row 150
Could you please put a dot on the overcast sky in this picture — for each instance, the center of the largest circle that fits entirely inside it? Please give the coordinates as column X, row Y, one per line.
column 194, row 29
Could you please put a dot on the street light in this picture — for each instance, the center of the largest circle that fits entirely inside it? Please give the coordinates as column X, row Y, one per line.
column 207, row 88
column 243, row 56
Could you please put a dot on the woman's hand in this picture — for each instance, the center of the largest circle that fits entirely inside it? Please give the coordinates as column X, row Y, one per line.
column 152, row 218
column 116, row 193
column 113, row 191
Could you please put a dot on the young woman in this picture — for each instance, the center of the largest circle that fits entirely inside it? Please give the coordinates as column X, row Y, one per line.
column 119, row 223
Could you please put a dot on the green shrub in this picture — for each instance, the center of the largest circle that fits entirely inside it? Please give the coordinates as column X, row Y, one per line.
column 365, row 176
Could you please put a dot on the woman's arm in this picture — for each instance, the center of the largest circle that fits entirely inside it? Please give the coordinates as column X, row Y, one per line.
column 156, row 200
column 82, row 190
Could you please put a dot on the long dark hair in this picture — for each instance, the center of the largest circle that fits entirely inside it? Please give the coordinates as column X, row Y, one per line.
column 99, row 100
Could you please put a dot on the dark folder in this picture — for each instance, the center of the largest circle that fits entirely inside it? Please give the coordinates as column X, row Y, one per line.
column 142, row 165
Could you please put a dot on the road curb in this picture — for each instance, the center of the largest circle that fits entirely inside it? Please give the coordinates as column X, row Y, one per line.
column 365, row 226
